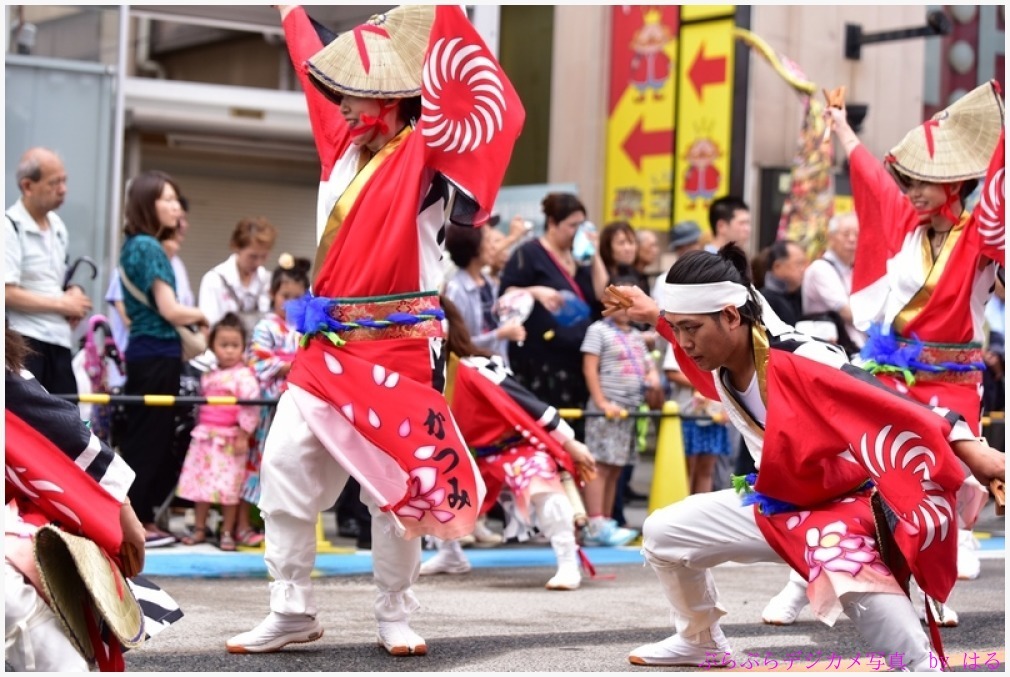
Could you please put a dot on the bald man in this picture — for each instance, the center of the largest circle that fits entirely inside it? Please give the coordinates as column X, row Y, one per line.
column 35, row 260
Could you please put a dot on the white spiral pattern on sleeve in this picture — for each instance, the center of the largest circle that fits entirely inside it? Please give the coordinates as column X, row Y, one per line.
column 934, row 515
column 455, row 70
column 990, row 214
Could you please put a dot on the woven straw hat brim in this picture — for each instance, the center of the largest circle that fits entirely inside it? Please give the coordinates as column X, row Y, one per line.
column 964, row 140
column 74, row 569
column 395, row 62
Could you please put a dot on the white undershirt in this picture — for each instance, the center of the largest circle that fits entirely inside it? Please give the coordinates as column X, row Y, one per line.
column 751, row 399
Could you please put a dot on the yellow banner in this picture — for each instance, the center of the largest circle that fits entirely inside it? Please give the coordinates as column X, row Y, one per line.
column 704, row 118
column 703, row 12
column 639, row 167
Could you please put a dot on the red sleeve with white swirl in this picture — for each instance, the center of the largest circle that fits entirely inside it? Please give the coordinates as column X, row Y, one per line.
column 991, row 210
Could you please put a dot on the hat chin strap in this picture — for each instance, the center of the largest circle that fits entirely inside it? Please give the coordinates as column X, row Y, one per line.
column 944, row 210
column 367, row 123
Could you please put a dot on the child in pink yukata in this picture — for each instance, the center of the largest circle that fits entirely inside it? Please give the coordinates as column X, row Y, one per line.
column 214, row 470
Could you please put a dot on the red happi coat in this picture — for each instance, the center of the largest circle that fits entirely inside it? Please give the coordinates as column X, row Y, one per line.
column 492, row 407
column 896, row 282
column 829, row 428
column 377, row 242
column 49, row 487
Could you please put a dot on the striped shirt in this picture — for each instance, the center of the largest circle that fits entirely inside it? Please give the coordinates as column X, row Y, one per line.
column 624, row 362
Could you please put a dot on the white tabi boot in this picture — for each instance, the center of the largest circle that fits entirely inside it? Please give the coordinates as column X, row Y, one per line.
column 944, row 615
column 556, row 518
column 699, row 641
column 785, row 607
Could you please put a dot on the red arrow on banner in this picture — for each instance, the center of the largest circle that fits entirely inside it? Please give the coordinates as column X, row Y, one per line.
column 640, row 143
column 706, row 71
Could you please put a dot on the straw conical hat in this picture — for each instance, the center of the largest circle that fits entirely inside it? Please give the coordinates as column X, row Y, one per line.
column 963, row 136
column 380, row 59
column 74, row 570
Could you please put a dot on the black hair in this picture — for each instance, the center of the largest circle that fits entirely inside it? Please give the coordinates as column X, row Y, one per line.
column 143, row 191
column 559, row 206
column 463, row 243
column 723, row 209
column 229, row 321
column 607, row 237
column 409, row 108
column 16, row 349
column 729, row 265
column 298, row 272
column 968, row 186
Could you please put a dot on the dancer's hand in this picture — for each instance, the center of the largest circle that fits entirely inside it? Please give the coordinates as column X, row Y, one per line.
column 131, row 552
column 984, row 462
column 640, row 306
column 284, row 10
column 837, row 120
column 583, row 458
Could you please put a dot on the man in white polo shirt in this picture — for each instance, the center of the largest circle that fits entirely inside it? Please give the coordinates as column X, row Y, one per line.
column 35, row 262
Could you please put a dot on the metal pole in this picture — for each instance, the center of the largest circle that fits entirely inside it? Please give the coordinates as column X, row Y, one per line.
column 118, row 133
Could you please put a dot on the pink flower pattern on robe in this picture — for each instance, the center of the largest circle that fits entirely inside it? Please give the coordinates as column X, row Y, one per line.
column 834, row 549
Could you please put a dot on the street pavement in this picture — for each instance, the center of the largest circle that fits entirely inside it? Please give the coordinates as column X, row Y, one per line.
column 499, row 617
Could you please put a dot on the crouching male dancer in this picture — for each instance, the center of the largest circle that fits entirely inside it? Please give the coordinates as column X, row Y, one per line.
column 836, row 453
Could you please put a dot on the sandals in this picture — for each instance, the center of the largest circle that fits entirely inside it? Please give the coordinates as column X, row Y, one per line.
column 196, row 536
column 249, row 538
column 226, row 542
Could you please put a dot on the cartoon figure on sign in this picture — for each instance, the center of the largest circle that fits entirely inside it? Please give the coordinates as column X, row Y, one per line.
column 702, row 178
column 650, row 66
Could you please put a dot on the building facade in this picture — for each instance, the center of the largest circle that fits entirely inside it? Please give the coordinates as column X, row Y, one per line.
column 208, row 95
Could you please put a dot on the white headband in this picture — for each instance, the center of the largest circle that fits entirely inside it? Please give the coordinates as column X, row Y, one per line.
column 699, row 299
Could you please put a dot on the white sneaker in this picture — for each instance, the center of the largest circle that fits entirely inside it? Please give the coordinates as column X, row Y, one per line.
column 275, row 632
column 568, row 577
column 398, row 639
column 945, row 616
column 675, row 650
column 968, row 566
column 445, row 562
column 785, row 607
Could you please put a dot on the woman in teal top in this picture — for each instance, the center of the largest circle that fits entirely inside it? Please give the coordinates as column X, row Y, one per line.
column 154, row 353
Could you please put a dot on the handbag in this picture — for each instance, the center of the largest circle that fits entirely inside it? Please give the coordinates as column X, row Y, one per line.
column 191, row 339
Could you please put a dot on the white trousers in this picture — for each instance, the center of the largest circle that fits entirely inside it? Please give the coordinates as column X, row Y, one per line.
column 300, row 478
column 34, row 640
column 684, row 540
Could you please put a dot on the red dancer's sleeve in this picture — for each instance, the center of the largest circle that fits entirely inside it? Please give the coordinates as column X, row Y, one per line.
column 990, row 214
column 328, row 127
column 703, row 381
column 885, row 217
